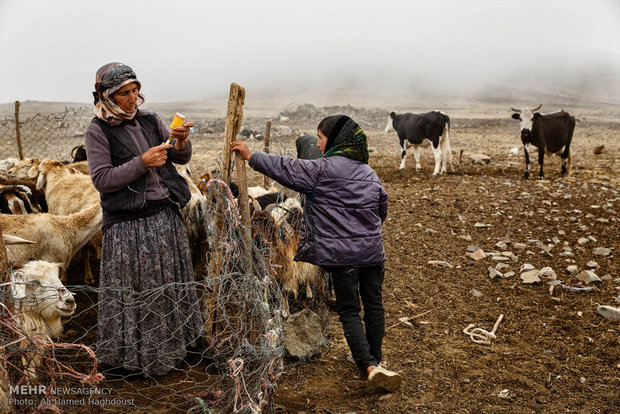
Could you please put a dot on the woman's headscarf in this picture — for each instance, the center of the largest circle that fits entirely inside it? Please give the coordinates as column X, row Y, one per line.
column 344, row 138
column 109, row 79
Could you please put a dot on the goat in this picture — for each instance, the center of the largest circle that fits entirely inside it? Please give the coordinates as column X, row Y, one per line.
column 278, row 225
column 57, row 238
column 26, row 169
column 7, row 163
column 68, row 191
column 40, row 302
column 17, row 199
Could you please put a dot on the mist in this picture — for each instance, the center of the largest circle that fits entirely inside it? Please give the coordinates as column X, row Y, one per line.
column 302, row 50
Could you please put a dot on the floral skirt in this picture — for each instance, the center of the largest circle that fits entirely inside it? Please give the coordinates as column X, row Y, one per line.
column 148, row 313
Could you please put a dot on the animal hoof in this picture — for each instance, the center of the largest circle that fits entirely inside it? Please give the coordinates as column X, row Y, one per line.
column 526, row 176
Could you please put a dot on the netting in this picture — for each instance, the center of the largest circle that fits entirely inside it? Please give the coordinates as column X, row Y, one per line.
column 235, row 368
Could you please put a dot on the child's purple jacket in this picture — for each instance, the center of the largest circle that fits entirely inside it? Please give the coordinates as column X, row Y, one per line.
column 344, row 208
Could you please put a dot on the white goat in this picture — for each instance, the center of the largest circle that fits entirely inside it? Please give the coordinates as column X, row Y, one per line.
column 57, row 238
column 40, row 302
column 279, row 226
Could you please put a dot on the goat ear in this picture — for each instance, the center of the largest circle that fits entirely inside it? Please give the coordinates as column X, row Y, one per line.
column 516, row 116
column 33, row 171
column 41, row 181
column 18, row 286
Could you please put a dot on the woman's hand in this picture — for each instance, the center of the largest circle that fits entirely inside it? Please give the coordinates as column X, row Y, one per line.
column 181, row 134
column 156, row 156
column 243, row 149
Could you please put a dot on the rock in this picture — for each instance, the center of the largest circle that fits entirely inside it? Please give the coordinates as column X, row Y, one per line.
column 501, row 245
column 554, row 282
column 561, row 232
column 472, row 249
column 501, row 266
column 480, row 159
column 481, row 225
column 405, row 321
column 588, row 276
column 520, row 246
column 548, row 273
column 572, row 269
column 509, row 274
column 530, row 277
column 608, row 311
column 440, row 263
column 478, row 254
column 494, row 274
column 476, row 293
column 582, row 240
column 598, row 149
column 465, row 237
column 601, row 251
column 606, row 277
column 592, row 264
column 500, row 258
column 525, row 267
column 302, row 336
column 431, row 231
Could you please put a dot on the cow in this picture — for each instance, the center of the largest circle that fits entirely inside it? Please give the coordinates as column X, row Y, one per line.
column 422, row 130
column 551, row 133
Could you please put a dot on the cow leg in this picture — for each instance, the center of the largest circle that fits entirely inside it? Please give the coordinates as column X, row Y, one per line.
column 541, row 160
column 437, row 154
column 403, row 154
column 416, row 155
column 566, row 161
column 446, row 151
column 526, row 175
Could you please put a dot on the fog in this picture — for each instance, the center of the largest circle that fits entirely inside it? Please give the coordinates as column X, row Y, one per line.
column 192, row 50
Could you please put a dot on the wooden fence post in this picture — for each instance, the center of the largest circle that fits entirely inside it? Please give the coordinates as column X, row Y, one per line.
column 18, row 132
column 234, row 117
column 267, row 180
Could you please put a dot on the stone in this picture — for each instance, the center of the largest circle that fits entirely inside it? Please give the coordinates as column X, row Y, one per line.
column 520, row 246
column 606, row 277
column 501, row 266
column 500, row 258
column 601, row 251
column 608, row 311
column 472, row 249
column 582, row 240
column 431, row 231
column 478, row 254
column 530, row 277
column 480, row 159
column 440, row 263
column 302, row 336
column 494, row 274
column 466, row 237
column 481, row 225
column 588, row 276
column 572, row 269
column 592, row 264
column 547, row 273
column 476, row 293
column 525, row 267
column 509, row 274
column 501, row 245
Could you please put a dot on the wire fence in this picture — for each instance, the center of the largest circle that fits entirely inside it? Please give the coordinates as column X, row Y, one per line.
column 238, row 361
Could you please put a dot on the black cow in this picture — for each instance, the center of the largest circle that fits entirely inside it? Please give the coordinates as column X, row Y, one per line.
column 307, row 148
column 551, row 133
column 420, row 130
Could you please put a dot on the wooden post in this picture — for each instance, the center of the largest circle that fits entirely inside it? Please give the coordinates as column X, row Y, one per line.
column 267, row 180
column 234, row 116
column 18, row 132
column 5, row 407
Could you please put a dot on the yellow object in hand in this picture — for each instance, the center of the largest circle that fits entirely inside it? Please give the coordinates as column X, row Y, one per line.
column 176, row 122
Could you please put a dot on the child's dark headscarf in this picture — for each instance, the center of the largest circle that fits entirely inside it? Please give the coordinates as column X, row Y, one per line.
column 344, row 138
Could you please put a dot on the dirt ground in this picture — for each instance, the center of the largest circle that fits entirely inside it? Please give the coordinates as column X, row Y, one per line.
column 553, row 352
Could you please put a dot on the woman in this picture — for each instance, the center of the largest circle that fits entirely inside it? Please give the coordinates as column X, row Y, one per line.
column 345, row 206
column 148, row 313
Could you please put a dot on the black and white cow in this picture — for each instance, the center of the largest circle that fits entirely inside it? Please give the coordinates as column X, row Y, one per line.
column 545, row 133
column 421, row 130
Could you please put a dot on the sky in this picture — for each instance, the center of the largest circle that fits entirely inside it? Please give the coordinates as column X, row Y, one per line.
column 192, row 50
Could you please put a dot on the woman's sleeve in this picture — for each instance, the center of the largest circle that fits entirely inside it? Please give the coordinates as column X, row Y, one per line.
column 383, row 203
column 177, row 156
column 106, row 177
column 296, row 174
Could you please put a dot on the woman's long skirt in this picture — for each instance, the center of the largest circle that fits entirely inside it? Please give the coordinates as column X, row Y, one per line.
column 148, row 306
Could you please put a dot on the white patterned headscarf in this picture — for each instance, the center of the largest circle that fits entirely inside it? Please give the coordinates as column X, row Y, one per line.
column 109, row 79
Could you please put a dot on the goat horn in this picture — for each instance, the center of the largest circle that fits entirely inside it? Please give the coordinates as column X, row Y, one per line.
column 516, row 110
column 537, row 108
column 10, row 239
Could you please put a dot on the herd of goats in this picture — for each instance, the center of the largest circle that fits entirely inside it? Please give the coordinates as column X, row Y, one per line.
column 51, row 215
